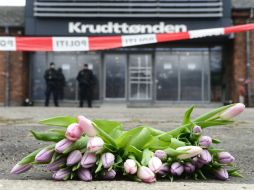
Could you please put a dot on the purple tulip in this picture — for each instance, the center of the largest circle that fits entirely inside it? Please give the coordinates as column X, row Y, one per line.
column 62, row 145
column 146, row 174
column 155, row 164
column 197, row 130
column 21, row 168
column 130, row 166
column 205, row 157
column 62, row 174
column 221, row 174
column 189, row 167
column 161, row 155
column 176, row 169
column 87, row 126
column 197, row 163
column 95, row 144
column 109, row 175
column 74, row 157
column 107, row 159
column 164, row 170
column 205, row 141
column 56, row 165
column 233, row 111
column 88, row 160
column 44, row 155
column 225, row 158
column 74, row 132
column 85, row 174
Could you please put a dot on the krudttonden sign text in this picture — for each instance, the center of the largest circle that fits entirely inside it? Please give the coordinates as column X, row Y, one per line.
column 124, row 28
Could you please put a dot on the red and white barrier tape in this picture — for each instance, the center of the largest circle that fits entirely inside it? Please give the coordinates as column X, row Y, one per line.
column 108, row 42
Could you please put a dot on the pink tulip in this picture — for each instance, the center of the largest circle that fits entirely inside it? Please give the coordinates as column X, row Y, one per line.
column 225, row 158
column 87, row 126
column 88, row 160
column 73, row 158
column 21, row 168
column 205, row 141
column 85, row 174
column 130, row 166
column 221, row 174
column 107, row 159
column 44, row 155
column 146, row 174
column 162, row 155
column 62, row 145
column 74, row 132
column 95, row 144
column 155, row 164
column 233, row 111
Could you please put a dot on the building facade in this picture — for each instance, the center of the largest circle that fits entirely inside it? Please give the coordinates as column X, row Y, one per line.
column 196, row 71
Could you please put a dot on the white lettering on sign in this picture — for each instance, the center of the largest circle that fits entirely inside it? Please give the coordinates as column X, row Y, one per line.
column 206, row 32
column 124, row 28
column 7, row 44
column 70, row 44
column 138, row 39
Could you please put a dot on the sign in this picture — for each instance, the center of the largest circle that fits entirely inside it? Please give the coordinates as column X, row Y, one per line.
column 124, row 28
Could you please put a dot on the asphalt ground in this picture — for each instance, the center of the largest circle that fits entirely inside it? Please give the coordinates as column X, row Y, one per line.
column 16, row 142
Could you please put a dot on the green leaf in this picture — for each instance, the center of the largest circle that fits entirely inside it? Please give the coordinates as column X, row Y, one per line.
column 187, row 115
column 105, row 136
column 212, row 113
column 131, row 150
column 236, row 174
column 173, row 153
column 98, row 169
column 61, row 121
column 77, row 145
column 141, row 139
column 108, row 125
column 205, row 124
column 214, row 150
column 76, row 167
column 175, row 143
column 201, row 174
column 216, row 141
column 47, row 136
column 147, row 155
column 124, row 139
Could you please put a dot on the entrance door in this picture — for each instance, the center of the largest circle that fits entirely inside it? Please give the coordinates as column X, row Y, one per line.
column 140, row 77
column 115, row 76
column 182, row 75
column 167, row 74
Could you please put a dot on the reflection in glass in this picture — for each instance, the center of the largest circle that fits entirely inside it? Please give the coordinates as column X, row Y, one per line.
column 115, row 75
column 166, row 76
column 191, row 76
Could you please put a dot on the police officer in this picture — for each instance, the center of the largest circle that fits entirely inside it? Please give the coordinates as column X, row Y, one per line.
column 51, row 77
column 86, row 81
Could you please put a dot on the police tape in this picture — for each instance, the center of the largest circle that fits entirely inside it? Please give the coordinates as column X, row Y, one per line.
column 9, row 43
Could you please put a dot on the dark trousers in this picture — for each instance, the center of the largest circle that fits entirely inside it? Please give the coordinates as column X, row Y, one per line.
column 85, row 93
column 51, row 90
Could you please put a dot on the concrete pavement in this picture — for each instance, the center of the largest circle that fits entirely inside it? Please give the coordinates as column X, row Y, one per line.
column 15, row 142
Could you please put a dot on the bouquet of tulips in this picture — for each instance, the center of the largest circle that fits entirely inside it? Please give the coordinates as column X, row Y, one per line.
column 102, row 149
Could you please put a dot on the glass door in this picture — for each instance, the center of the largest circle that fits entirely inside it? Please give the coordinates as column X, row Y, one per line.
column 140, row 77
column 115, row 76
column 191, row 68
column 167, row 74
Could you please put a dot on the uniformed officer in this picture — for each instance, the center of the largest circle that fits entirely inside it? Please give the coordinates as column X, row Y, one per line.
column 51, row 77
column 60, row 84
column 86, row 82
